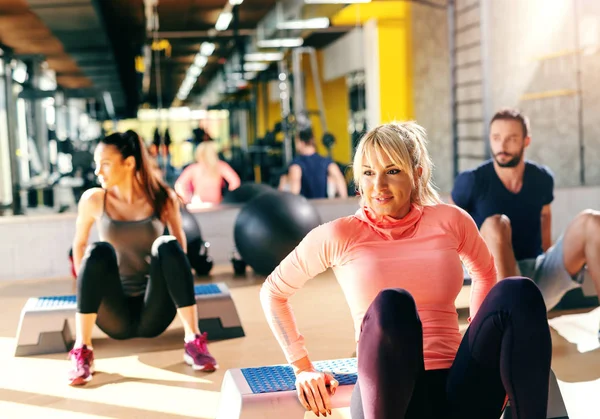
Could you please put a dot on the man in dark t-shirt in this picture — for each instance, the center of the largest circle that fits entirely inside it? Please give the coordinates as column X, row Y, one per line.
column 509, row 198
column 309, row 172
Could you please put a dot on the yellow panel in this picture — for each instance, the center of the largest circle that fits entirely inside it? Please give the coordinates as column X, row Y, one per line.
column 335, row 98
column 395, row 70
column 260, row 117
column 381, row 10
column 336, row 111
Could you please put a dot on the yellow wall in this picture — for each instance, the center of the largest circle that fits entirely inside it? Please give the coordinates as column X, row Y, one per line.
column 273, row 111
column 358, row 14
column 395, row 55
column 260, row 118
column 395, row 70
column 335, row 98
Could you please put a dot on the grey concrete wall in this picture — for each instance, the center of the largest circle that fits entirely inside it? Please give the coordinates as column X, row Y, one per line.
column 431, row 87
column 532, row 45
column 530, row 49
column 590, row 40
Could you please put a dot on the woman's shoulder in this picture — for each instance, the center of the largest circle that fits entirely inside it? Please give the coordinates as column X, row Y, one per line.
column 343, row 228
column 92, row 201
column 443, row 211
column 94, row 195
column 223, row 165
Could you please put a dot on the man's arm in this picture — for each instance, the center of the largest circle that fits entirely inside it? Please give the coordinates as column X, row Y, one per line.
column 340, row 183
column 294, row 179
column 546, row 227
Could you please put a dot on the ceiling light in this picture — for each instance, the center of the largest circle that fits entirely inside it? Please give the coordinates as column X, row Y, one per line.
column 280, row 43
column 189, row 81
column 264, row 56
column 254, row 66
column 194, row 71
column 315, row 23
column 223, row 21
column 200, row 60
column 207, row 48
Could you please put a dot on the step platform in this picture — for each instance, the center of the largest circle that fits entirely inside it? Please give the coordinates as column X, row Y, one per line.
column 582, row 297
column 270, row 393
column 47, row 324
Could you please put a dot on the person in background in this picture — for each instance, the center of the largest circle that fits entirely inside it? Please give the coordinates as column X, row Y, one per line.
column 309, row 172
column 202, row 181
column 134, row 280
column 510, row 199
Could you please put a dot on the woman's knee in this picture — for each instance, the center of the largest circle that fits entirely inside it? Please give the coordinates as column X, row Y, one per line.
column 98, row 261
column 522, row 291
column 166, row 245
column 101, row 251
column 393, row 309
column 497, row 228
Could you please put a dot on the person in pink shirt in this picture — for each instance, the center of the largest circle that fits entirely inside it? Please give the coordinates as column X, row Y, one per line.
column 201, row 182
column 398, row 262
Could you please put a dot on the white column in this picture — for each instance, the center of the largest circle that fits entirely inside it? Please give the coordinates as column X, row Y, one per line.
column 372, row 88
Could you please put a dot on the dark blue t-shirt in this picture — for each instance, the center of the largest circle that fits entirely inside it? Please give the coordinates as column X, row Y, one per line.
column 481, row 193
column 314, row 175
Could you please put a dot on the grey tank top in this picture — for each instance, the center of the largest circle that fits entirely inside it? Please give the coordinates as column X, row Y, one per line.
column 132, row 241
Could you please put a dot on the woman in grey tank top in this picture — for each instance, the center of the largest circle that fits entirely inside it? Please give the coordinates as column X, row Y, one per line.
column 135, row 280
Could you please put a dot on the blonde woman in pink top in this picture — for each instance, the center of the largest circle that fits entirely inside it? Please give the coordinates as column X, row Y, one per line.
column 202, row 181
column 398, row 262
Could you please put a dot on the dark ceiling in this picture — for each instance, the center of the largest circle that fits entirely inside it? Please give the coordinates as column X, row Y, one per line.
column 92, row 45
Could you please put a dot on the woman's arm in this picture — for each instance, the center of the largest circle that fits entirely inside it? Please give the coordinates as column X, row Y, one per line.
column 477, row 259
column 88, row 210
column 173, row 220
column 319, row 250
column 184, row 184
column 229, row 175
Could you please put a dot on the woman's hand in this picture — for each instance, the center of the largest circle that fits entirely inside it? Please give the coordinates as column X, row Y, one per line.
column 315, row 389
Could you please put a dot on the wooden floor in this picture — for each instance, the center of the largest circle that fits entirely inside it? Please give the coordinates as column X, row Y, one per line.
column 148, row 379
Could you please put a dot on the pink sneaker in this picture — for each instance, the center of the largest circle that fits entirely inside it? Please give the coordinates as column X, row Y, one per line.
column 197, row 355
column 82, row 368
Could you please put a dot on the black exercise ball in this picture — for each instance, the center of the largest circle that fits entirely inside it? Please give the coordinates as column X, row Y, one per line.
column 270, row 226
column 246, row 192
column 197, row 248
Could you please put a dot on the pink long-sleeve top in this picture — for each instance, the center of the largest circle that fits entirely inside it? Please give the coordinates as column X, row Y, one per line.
column 195, row 181
column 421, row 253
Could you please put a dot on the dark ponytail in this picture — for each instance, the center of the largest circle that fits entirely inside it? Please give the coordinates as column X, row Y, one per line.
column 130, row 143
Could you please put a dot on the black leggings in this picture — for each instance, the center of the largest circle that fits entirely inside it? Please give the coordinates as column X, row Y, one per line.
column 506, row 349
column 99, row 290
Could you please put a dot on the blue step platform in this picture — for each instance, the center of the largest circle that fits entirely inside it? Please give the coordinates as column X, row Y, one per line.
column 47, row 323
